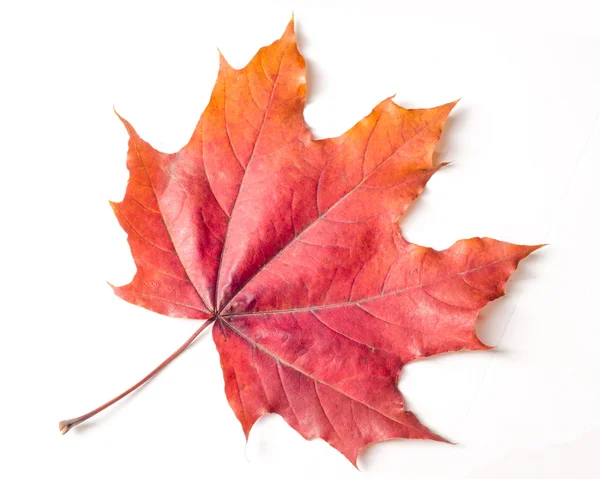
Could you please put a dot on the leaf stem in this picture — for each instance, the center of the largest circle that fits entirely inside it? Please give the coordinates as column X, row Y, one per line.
column 66, row 425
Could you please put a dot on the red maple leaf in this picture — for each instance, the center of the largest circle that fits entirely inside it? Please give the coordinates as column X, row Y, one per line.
column 290, row 247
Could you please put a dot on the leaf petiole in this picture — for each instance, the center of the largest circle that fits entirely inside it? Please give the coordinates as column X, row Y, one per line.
column 66, row 425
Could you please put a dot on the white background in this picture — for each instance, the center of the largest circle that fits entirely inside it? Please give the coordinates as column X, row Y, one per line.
column 525, row 147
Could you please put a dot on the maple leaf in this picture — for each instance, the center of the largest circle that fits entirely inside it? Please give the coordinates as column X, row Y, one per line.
column 290, row 247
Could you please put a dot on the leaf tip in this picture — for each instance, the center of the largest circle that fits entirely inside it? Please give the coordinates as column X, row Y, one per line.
column 116, row 112
column 116, row 289
column 448, row 107
column 289, row 33
column 389, row 102
column 528, row 249
column 223, row 63
column 127, row 125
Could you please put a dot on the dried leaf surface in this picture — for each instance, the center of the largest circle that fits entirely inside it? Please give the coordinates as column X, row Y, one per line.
column 292, row 247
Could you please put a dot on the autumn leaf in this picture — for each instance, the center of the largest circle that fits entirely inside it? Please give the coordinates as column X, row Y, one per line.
column 290, row 248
